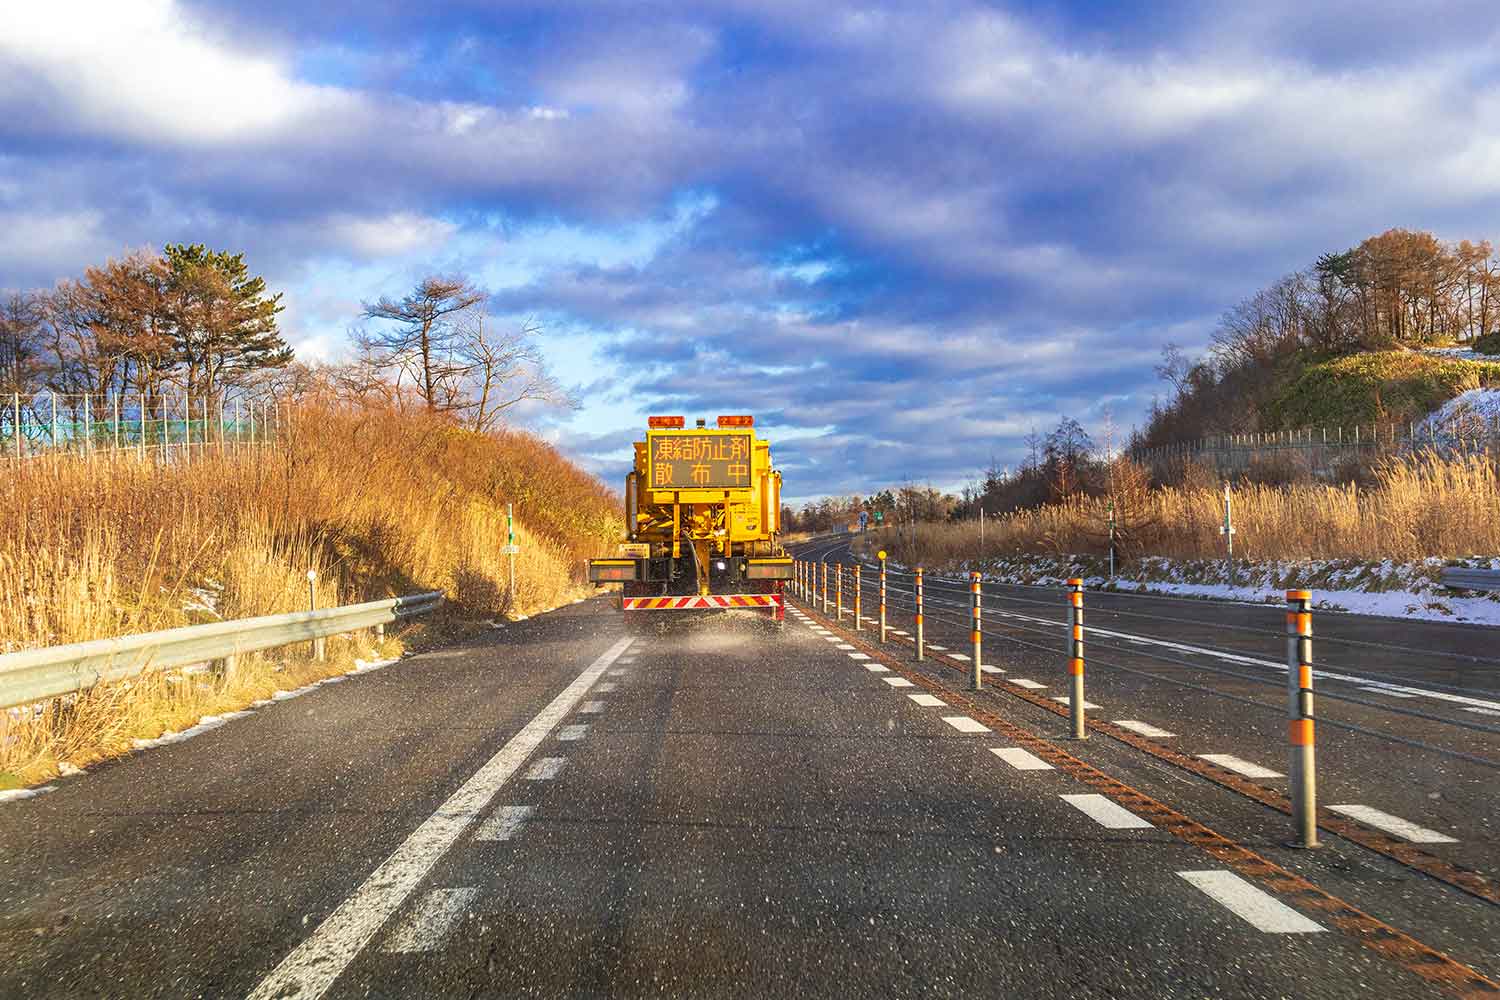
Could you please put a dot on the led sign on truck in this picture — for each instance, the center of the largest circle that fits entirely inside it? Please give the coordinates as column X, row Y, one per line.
column 713, row 461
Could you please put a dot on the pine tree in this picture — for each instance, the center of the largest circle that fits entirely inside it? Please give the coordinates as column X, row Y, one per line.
column 223, row 322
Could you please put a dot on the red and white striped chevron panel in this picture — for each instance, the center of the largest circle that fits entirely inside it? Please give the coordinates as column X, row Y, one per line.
column 707, row 601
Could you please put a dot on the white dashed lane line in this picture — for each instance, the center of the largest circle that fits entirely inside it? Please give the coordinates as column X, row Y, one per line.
column 1257, row 908
column 504, row 823
column 843, row 645
column 1067, row 699
column 1240, row 766
column 898, row 682
column 591, row 707
column 1029, row 685
column 956, row 656
column 964, row 724
column 1020, row 759
column 607, row 687
column 1144, row 728
column 986, row 668
column 427, row 926
column 1108, row 814
column 1394, row 825
column 575, row 732
column 546, row 769
column 858, row 656
column 927, row 700
column 876, row 668
column 940, row 649
column 897, row 631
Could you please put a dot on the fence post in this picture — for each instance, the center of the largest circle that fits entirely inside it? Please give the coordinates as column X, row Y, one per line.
column 859, row 589
column 54, row 421
column 976, row 630
column 838, row 591
column 312, row 605
column 116, row 414
column 1075, row 656
column 921, row 646
column 88, row 426
column 1299, row 690
column 881, row 554
column 15, row 399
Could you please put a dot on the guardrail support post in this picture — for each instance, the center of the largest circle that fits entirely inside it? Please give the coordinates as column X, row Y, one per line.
column 312, row 605
column 882, row 595
column 858, row 595
column 380, row 634
column 1299, row 689
column 838, row 592
column 921, row 645
column 976, row 632
column 1075, row 657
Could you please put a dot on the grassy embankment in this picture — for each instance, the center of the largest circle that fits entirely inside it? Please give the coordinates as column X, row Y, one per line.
column 379, row 503
column 1419, row 507
column 1375, row 387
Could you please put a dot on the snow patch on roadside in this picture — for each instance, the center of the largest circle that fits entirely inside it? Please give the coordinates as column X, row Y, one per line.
column 15, row 794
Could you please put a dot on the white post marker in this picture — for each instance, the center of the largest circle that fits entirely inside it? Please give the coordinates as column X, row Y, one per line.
column 318, row 961
column 510, row 550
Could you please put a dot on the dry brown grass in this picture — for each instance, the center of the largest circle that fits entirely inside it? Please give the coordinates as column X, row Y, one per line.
column 378, row 502
column 1418, row 506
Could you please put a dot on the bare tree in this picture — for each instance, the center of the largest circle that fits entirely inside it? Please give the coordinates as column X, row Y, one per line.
column 503, row 368
column 22, row 358
column 421, row 345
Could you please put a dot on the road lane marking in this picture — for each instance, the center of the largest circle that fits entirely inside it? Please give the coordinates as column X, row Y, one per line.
column 591, row 708
column 431, row 921
column 834, row 638
column 546, row 769
column 575, row 732
column 927, row 700
column 1483, row 711
column 1144, row 728
column 896, row 631
column 1067, row 699
column 1391, row 693
column 858, row 656
column 843, row 645
column 503, row 823
column 607, row 687
column 876, row 668
column 1108, row 814
column 1394, row 825
column 898, row 682
column 1259, row 909
column 985, row 667
column 313, row 965
column 956, row 656
column 964, row 724
column 1030, row 685
column 1020, row 759
column 1236, row 764
column 940, row 649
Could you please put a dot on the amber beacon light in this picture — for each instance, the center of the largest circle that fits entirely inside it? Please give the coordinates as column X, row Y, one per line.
column 740, row 421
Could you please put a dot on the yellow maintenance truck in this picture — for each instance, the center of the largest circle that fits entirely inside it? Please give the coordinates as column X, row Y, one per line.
column 702, row 519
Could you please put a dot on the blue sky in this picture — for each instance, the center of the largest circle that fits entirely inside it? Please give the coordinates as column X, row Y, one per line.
column 900, row 235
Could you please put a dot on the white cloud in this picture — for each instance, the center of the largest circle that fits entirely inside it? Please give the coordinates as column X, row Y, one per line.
column 397, row 233
column 142, row 70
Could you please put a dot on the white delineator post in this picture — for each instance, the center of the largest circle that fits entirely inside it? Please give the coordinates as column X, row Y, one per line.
column 1075, row 656
column 921, row 645
column 1300, row 732
column 858, row 595
column 976, row 631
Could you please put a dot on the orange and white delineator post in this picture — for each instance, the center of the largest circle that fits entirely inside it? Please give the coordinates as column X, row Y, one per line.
column 1075, row 657
column 882, row 596
column 1299, row 691
column 823, row 570
column 858, row 603
column 838, row 591
column 976, row 631
column 921, row 644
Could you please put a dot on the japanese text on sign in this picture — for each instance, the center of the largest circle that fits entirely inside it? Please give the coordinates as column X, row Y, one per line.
column 699, row 461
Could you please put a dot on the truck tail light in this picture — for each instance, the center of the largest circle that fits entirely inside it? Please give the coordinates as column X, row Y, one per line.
column 666, row 423
column 738, row 421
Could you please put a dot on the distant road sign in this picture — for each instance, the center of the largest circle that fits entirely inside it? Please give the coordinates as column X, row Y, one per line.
column 509, row 550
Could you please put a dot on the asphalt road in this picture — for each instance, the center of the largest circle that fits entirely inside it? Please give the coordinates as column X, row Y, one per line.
column 563, row 809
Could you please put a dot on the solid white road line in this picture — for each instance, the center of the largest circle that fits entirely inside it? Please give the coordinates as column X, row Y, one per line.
column 1483, row 711
column 429, row 923
column 1244, row 767
column 1108, row 814
column 1067, row 699
column 876, row 668
column 898, row 682
column 1391, row 693
column 503, row 823
column 859, row 656
column 964, row 724
column 1030, row 685
column 1144, row 728
column 1258, row 908
column 1394, row 825
column 1020, row 759
column 927, row 700
column 313, row 965
column 575, row 732
column 546, row 769
column 591, row 708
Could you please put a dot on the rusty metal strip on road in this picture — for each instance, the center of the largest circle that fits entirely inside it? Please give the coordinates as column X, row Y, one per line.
column 1395, row 945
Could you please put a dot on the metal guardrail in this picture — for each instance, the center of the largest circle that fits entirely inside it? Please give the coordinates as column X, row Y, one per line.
column 34, row 675
column 1462, row 578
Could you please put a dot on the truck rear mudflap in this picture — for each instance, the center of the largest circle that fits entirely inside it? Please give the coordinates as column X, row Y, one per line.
column 728, row 602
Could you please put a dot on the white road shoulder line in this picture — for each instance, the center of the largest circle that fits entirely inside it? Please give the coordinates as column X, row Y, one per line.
column 927, row 700
column 430, row 922
column 1236, row 764
column 964, row 724
column 1021, row 760
column 1144, row 728
column 1394, row 825
column 898, row 682
column 1254, row 906
column 503, row 823
column 1108, row 814
column 313, row 965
